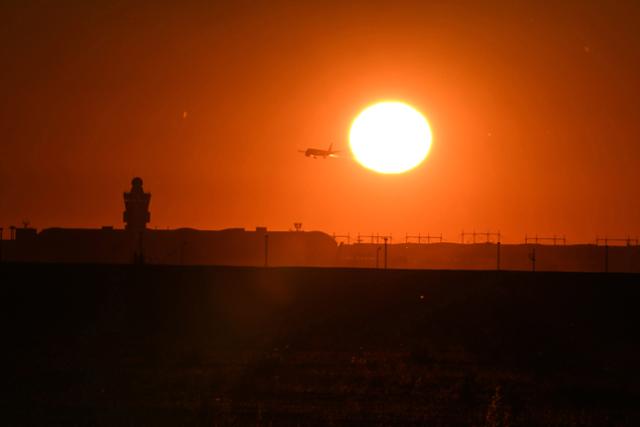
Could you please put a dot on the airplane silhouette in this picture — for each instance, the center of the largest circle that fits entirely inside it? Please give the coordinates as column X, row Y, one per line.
column 317, row 152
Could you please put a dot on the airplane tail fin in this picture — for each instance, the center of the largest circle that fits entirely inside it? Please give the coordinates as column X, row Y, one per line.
column 330, row 147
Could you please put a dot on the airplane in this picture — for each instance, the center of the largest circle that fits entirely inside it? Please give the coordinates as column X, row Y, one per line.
column 317, row 152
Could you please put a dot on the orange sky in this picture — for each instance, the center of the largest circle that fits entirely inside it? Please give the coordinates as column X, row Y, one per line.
column 535, row 112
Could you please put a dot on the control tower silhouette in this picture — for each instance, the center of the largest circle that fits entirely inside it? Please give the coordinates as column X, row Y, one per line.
column 136, row 204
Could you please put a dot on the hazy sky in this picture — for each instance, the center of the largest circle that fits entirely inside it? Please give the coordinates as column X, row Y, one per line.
column 535, row 111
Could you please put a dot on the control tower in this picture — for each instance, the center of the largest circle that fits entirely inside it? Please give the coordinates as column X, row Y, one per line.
column 136, row 204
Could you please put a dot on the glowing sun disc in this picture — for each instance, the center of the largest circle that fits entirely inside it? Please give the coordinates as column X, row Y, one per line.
column 390, row 137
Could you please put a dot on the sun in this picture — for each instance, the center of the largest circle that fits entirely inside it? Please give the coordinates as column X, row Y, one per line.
column 390, row 137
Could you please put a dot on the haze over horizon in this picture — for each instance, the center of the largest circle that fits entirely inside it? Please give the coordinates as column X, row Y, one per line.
column 535, row 113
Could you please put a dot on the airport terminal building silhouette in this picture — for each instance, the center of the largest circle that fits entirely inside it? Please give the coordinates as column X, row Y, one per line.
column 136, row 243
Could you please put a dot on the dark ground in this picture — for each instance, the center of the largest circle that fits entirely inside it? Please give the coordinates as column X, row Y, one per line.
column 156, row 345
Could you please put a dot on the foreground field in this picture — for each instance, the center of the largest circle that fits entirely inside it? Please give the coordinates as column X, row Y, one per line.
column 151, row 345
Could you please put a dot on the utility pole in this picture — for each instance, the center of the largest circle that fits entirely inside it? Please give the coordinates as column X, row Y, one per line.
column 498, row 256
column 266, row 250
column 385, row 252
column 532, row 257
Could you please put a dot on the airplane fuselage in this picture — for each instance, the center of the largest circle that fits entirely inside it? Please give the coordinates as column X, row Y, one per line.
column 315, row 152
column 318, row 152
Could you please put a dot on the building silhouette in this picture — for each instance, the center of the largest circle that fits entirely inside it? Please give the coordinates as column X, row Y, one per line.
column 260, row 247
column 136, row 203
